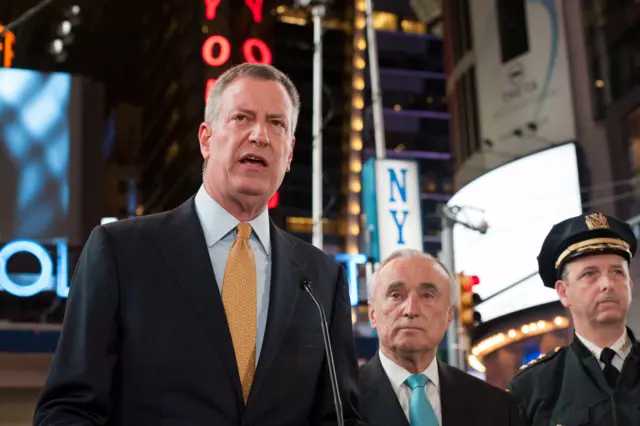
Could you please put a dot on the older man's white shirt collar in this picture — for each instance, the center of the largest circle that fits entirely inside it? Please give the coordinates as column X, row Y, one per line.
column 398, row 375
column 217, row 222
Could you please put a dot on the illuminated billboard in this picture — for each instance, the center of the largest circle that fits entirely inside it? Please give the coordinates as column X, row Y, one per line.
column 520, row 201
column 35, row 154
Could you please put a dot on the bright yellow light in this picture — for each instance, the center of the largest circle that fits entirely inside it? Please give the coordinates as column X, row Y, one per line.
column 361, row 22
column 359, row 62
column 356, row 143
column 353, row 249
column 355, row 186
column 356, row 124
column 354, row 208
column 358, row 102
column 361, row 5
column 475, row 363
column 354, row 229
column 385, row 21
column 358, row 83
column 361, row 43
column 356, row 165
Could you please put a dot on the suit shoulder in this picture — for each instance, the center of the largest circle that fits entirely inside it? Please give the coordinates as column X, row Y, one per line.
column 366, row 369
column 127, row 231
column 131, row 223
column 369, row 374
column 309, row 250
column 474, row 384
column 539, row 366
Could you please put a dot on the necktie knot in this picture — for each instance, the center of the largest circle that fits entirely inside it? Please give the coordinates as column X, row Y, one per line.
column 607, row 355
column 243, row 231
column 417, row 381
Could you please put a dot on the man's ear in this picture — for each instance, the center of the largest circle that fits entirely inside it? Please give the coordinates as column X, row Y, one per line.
column 452, row 310
column 372, row 315
column 290, row 158
column 561, row 289
column 204, row 136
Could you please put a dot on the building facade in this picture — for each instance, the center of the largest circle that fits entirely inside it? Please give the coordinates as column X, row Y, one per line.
column 527, row 76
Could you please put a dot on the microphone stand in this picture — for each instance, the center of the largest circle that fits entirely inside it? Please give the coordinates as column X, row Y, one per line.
column 306, row 286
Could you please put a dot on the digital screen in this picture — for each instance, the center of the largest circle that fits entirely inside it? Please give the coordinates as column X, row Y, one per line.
column 520, row 201
column 34, row 155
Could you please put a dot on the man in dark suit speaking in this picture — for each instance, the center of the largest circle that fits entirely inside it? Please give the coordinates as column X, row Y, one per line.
column 196, row 316
column 404, row 384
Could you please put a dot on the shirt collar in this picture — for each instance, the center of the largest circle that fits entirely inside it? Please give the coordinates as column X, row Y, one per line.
column 398, row 375
column 621, row 347
column 216, row 222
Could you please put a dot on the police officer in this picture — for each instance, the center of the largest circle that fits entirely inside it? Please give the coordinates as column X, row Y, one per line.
column 596, row 379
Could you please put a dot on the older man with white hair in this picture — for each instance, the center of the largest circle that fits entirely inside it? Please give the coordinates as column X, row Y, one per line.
column 404, row 384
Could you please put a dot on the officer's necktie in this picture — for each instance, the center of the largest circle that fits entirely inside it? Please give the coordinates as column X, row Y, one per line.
column 420, row 410
column 239, row 299
column 611, row 373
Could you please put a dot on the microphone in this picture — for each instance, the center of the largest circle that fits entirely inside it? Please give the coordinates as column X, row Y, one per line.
column 306, row 286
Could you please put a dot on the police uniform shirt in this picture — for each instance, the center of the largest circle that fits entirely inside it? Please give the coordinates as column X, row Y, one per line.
column 622, row 348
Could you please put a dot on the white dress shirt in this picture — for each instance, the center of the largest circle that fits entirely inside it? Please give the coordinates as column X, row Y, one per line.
column 219, row 226
column 398, row 375
column 622, row 348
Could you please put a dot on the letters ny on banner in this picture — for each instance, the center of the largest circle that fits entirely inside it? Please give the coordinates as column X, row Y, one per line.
column 391, row 199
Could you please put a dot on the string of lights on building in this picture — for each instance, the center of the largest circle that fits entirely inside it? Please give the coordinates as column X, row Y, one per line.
column 502, row 339
column 357, row 125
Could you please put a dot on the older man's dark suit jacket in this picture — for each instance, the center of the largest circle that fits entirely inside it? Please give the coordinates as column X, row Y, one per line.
column 145, row 340
column 465, row 400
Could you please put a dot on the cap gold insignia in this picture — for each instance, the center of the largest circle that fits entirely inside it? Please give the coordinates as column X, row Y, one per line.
column 596, row 221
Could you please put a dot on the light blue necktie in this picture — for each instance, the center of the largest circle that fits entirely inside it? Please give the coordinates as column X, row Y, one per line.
column 420, row 410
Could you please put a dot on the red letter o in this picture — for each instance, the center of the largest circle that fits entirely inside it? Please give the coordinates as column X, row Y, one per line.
column 207, row 50
column 265, row 52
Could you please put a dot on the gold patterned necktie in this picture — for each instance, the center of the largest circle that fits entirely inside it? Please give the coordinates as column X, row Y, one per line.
column 240, row 304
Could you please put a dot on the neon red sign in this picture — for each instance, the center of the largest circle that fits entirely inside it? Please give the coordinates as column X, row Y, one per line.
column 216, row 49
column 274, row 201
column 255, row 6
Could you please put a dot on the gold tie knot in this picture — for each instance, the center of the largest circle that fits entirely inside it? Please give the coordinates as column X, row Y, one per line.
column 243, row 231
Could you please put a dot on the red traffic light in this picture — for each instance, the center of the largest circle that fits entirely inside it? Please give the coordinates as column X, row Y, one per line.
column 274, row 201
column 468, row 281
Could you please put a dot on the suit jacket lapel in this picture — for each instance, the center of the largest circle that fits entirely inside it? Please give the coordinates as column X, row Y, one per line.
column 184, row 250
column 287, row 275
column 379, row 400
column 454, row 412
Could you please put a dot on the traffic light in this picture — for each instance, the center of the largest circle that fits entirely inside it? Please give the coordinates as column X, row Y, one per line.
column 467, row 299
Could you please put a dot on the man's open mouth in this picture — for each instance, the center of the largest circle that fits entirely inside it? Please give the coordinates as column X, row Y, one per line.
column 254, row 159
